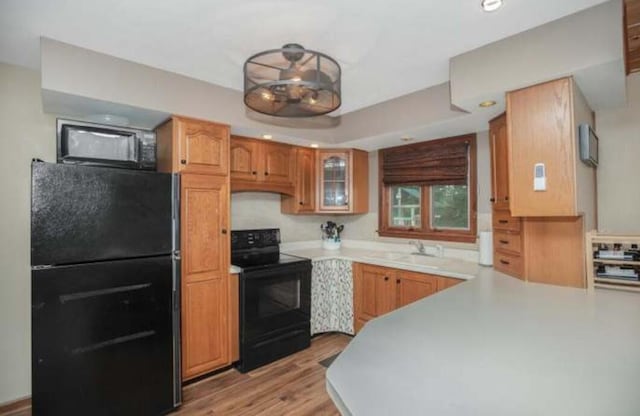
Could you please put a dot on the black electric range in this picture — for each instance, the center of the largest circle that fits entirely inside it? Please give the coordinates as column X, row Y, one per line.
column 275, row 298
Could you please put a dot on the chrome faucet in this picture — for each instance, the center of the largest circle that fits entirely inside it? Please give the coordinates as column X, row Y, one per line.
column 421, row 249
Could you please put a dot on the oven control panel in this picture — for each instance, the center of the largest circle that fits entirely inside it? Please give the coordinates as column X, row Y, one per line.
column 243, row 239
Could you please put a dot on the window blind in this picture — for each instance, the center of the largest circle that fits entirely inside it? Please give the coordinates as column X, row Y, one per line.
column 436, row 162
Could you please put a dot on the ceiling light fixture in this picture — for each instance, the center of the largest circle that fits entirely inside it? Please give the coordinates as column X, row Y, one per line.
column 491, row 5
column 488, row 103
column 267, row 136
column 292, row 82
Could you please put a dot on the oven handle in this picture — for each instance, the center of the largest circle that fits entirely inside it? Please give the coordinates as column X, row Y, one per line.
column 275, row 272
column 279, row 337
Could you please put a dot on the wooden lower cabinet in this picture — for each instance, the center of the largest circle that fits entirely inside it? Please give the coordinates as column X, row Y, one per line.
column 379, row 290
column 205, row 273
column 411, row 287
column 373, row 292
column 204, row 328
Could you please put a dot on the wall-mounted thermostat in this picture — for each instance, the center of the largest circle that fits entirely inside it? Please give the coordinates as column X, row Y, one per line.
column 539, row 177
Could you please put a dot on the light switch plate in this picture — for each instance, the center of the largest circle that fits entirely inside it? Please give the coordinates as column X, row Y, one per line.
column 539, row 177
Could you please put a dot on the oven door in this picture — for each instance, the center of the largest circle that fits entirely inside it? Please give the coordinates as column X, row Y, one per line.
column 274, row 300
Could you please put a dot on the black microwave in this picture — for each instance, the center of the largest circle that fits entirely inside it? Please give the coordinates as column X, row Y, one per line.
column 94, row 144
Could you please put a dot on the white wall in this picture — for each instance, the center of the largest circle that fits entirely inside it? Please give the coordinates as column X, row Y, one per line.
column 25, row 133
column 618, row 190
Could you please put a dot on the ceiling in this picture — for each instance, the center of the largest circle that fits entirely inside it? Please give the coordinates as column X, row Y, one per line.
column 385, row 52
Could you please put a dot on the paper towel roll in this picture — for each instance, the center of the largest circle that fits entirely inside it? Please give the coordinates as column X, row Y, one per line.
column 486, row 248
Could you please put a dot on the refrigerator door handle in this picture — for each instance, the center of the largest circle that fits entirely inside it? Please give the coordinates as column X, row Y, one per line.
column 177, row 337
column 175, row 210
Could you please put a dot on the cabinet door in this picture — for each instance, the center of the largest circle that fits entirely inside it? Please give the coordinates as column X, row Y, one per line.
column 411, row 287
column 278, row 160
column 334, row 173
column 541, row 130
column 205, row 273
column 499, row 162
column 306, row 179
column 202, row 147
column 204, row 334
column 373, row 292
column 244, row 159
column 447, row 282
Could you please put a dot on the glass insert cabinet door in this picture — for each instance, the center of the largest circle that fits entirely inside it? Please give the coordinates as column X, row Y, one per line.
column 334, row 183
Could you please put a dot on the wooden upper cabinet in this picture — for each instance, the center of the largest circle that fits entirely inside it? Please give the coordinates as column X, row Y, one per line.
column 244, row 160
column 499, row 162
column 542, row 125
column 191, row 145
column 304, row 199
column 278, row 163
column 343, row 181
column 258, row 165
column 204, row 236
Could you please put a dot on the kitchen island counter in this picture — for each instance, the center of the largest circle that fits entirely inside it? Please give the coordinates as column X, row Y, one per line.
column 495, row 345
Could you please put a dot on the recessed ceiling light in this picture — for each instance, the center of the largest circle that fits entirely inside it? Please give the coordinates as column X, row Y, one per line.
column 406, row 139
column 488, row 103
column 314, row 145
column 491, row 5
column 267, row 136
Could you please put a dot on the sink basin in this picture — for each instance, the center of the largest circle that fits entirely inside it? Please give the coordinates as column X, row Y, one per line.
column 423, row 261
column 415, row 259
column 387, row 256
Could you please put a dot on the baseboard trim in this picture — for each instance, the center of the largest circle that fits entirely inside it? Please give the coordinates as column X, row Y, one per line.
column 14, row 406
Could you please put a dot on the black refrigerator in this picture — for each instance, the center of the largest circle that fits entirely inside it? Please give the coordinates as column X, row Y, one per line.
column 105, row 291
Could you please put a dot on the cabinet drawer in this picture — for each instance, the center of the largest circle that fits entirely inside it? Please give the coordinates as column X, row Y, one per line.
column 502, row 220
column 507, row 241
column 510, row 264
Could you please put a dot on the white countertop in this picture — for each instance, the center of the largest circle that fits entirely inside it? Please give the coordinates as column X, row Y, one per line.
column 496, row 346
column 442, row 266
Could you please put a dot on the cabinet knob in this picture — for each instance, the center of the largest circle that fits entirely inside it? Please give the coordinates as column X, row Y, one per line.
column 266, row 174
column 398, row 281
column 492, row 200
column 183, row 161
column 254, row 173
column 301, row 203
column 506, row 198
column 386, row 278
column 224, row 231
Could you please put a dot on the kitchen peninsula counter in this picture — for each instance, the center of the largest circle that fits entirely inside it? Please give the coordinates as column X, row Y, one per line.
column 496, row 346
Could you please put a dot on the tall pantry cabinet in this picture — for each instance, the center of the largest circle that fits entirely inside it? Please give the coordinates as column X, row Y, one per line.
column 198, row 150
column 539, row 234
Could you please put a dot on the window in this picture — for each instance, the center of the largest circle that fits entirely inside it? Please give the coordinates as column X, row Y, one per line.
column 428, row 190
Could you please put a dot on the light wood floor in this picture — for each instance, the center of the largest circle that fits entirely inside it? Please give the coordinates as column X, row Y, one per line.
column 292, row 386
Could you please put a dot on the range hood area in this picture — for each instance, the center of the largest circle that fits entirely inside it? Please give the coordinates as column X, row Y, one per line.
column 587, row 45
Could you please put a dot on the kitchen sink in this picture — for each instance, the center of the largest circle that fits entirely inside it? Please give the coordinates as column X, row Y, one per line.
column 414, row 259
column 387, row 256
